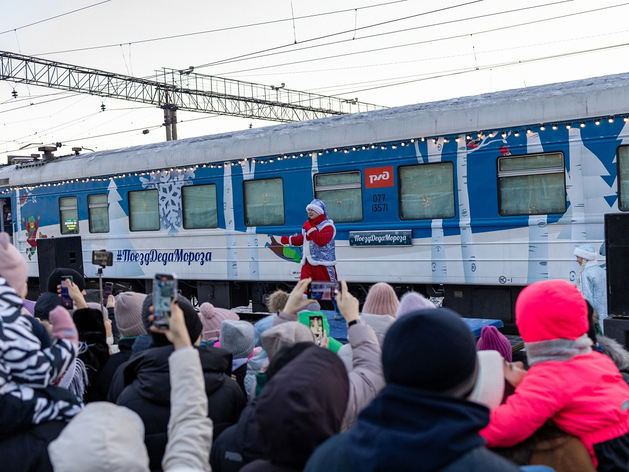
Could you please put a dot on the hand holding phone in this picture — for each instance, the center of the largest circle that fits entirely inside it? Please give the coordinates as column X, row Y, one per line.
column 164, row 292
column 66, row 300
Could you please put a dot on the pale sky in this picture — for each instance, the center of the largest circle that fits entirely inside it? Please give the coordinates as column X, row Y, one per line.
column 384, row 52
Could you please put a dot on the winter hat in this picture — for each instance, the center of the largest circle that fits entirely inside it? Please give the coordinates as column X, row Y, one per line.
column 89, row 320
column 46, row 302
column 318, row 206
column 551, row 309
column 99, row 307
column 212, row 317
column 586, row 251
column 432, row 350
column 237, row 338
column 261, row 326
column 412, row 301
column 102, row 438
column 312, row 306
column 55, row 279
column 191, row 317
column 13, row 267
column 493, row 340
column 29, row 306
column 128, row 314
column 490, row 383
column 381, row 300
column 284, row 334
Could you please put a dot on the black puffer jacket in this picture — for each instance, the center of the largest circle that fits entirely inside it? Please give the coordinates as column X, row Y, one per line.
column 143, row 385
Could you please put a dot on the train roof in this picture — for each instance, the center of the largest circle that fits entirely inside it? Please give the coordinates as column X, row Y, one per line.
column 560, row 102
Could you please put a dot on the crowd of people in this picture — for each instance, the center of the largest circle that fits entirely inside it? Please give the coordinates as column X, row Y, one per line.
column 96, row 388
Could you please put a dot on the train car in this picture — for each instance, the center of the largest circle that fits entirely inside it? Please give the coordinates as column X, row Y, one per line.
column 470, row 198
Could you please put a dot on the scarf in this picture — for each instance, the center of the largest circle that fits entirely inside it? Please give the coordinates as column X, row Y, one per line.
column 557, row 349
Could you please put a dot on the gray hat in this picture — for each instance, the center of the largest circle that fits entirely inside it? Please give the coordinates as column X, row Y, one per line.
column 237, row 338
column 285, row 334
column 128, row 313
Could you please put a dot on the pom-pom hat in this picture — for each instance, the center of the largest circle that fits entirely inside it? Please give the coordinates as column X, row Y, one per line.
column 13, row 267
column 212, row 317
column 551, row 309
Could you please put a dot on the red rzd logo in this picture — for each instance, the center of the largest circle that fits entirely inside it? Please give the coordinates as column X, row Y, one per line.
column 378, row 177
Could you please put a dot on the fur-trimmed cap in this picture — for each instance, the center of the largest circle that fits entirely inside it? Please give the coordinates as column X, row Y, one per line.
column 318, row 206
column 586, row 251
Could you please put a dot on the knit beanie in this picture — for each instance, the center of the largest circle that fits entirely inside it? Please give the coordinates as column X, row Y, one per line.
column 493, row 340
column 285, row 334
column 490, row 383
column 13, row 267
column 551, row 309
column 212, row 317
column 432, row 350
column 381, row 300
column 586, row 251
column 312, row 306
column 55, row 279
column 318, row 206
column 412, row 301
column 128, row 314
column 102, row 437
column 237, row 338
column 29, row 306
column 46, row 302
column 191, row 317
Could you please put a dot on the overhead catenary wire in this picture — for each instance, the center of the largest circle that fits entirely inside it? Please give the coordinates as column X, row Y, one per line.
column 416, row 43
column 217, row 30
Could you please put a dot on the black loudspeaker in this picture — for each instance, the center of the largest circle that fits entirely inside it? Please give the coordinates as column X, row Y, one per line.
column 617, row 260
column 66, row 252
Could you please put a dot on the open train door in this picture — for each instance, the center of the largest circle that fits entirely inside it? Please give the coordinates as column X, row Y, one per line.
column 617, row 264
column 6, row 222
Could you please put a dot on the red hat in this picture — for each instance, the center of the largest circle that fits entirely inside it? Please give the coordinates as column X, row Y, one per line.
column 552, row 309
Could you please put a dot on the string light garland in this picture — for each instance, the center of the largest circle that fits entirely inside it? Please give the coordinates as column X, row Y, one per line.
column 320, row 152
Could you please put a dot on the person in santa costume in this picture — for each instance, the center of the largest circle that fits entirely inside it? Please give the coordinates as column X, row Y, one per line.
column 317, row 238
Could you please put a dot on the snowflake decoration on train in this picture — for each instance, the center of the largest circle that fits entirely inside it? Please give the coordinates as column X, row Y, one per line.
column 168, row 185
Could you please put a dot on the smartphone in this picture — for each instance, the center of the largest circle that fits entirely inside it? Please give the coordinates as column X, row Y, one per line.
column 109, row 287
column 316, row 326
column 164, row 291
column 323, row 290
column 66, row 300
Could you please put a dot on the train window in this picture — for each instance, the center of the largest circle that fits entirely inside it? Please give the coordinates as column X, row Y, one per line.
column 264, row 202
column 69, row 215
column 143, row 210
column 199, row 206
column 98, row 213
column 427, row 191
column 342, row 194
column 533, row 184
column 623, row 178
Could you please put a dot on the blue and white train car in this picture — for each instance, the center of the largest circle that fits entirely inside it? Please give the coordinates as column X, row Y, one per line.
column 473, row 198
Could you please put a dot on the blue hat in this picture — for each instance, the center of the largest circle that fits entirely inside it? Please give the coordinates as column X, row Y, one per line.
column 318, row 206
column 586, row 251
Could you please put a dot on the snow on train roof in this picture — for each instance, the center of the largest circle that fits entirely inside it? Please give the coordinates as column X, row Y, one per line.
column 581, row 99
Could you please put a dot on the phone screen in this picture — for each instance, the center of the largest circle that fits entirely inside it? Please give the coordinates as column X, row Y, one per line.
column 66, row 300
column 108, row 290
column 316, row 326
column 164, row 290
column 323, row 290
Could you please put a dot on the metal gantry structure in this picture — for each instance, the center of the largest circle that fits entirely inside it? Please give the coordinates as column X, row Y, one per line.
column 174, row 89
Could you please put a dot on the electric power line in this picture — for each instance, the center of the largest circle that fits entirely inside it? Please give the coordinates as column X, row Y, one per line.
column 55, row 17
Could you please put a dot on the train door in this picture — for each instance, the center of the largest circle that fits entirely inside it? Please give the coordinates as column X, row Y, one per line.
column 6, row 222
